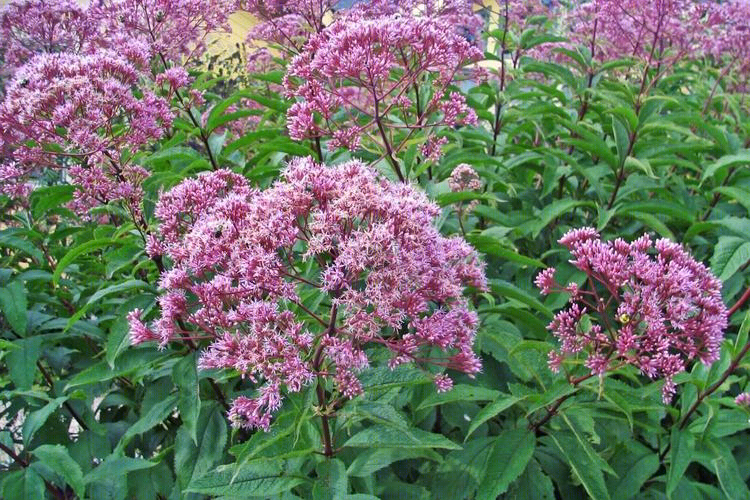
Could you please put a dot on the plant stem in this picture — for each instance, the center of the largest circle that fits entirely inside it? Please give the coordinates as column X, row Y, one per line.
column 320, row 388
column 713, row 387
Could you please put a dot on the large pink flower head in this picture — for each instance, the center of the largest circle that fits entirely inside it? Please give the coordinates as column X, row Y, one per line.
column 30, row 27
column 383, row 60
column 87, row 108
column 652, row 31
column 727, row 37
column 385, row 275
column 287, row 23
column 173, row 29
column 650, row 305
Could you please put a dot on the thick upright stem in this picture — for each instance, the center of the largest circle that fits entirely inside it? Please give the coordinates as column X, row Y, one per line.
column 387, row 143
column 320, row 389
column 201, row 132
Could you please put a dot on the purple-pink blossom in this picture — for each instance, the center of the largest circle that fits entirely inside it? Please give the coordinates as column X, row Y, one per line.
column 386, row 59
column 88, row 108
column 386, row 275
column 646, row 304
column 30, row 27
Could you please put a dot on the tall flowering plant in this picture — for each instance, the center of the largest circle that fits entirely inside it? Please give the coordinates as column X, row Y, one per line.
column 244, row 259
column 645, row 304
column 362, row 78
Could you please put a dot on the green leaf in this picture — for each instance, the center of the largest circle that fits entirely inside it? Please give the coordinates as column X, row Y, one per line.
column 680, row 455
column 25, row 484
column 445, row 199
column 725, row 162
column 45, row 198
column 741, row 340
column 510, row 454
column 57, row 458
column 192, row 460
column 118, row 340
column 14, row 306
column 730, row 254
column 550, row 213
column 155, row 415
column 261, row 478
column 331, row 483
column 383, row 436
column 730, row 479
column 117, row 467
column 131, row 360
column 75, row 252
column 622, row 139
column 632, row 480
column 36, row 419
column 501, row 404
column 22, row 361
column 460, row 392
column 369, row 461
column 100, row 294
column 383, row 378
column 504, row 289
column 492, row 246
column 185, row 375
column 582, row 466
column 532, row 485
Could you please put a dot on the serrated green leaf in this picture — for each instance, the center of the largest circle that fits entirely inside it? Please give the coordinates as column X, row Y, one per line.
column 382, row 436
column 25, row 484
column 730, row 254
column 21, row 362
column 155, row 415
column 510, row 455
column 57, row 458
column 77, row 251
column 583, row 467
column 36, row 419
column 502, row 403
column 192, row 460
column 254, row 479
column 331, row 483
column 114, row 466
column 185, row 375
column 15, row 306
column 460, row 392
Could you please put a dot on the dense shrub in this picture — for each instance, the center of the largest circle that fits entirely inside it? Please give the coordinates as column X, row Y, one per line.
column 411, row 249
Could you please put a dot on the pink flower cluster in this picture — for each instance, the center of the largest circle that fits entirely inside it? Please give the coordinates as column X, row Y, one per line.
column 83, row 94
column 361, row 77
column 82, row 107
column 172, row 29
column 727, row 38
column 464, row 178
column 287, row 24
column 30, row 27
column 652, row 31
column 244, row 260
column 646, row 304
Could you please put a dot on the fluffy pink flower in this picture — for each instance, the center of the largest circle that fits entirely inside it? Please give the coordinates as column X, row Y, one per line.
column 386, row 58
column 743, row 399
column 390, row 278
column 652, row 306
column 652, row 31
column 86, row 107
column 30, row 27
column 464, row 178
column 173, row 29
